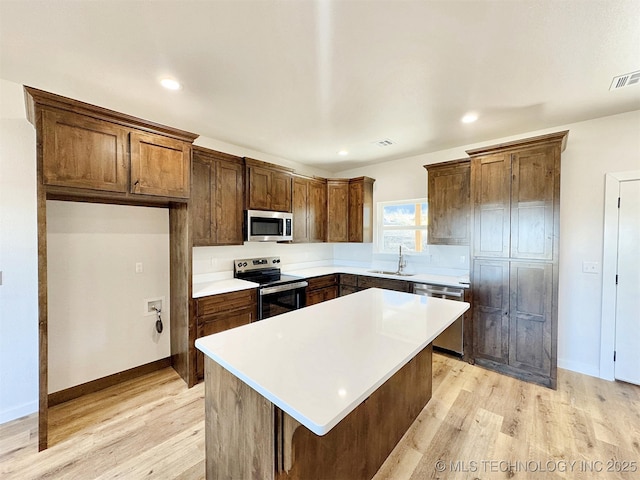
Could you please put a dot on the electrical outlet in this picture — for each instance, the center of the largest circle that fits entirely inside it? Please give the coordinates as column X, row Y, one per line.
column 139, row 267
column 590, row 267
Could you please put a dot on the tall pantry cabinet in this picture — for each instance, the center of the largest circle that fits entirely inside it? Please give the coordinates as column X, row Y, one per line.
column 515, row 194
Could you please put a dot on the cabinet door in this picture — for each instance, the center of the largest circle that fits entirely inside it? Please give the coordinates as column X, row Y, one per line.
column 300, row 210
column 160, row 165
column 361, row 210
column 217, row 324
column 534, row 181
column 491, row 310
column 79, row 151
column 347, row 290
column 228, row 210
column 280, row 191
column 449, row 204
column 356, row 204
column 201, row 204
column 337, row 211
column 321, row 295
column 317, row 211
column 491, row 187
column 259, row 186
column 530, row 319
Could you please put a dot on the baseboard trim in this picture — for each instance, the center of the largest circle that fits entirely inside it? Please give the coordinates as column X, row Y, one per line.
column 70, row 393
column 20, row 411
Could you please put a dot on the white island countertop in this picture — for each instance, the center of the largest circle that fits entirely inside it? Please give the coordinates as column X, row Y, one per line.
column 319, row 363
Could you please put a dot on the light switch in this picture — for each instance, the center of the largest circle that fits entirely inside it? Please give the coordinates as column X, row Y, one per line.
column 590, row 267
column 139, row 267
column 0, row 277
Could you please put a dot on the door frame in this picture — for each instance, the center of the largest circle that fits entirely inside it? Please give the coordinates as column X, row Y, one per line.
column 609, row 267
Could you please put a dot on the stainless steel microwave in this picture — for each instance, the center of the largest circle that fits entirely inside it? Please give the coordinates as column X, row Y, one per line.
column 266, row 226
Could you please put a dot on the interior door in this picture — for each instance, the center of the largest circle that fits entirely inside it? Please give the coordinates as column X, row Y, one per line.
column 627, row 363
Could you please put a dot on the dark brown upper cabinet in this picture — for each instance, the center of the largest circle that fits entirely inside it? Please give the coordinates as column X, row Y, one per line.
column 337, row 210
column 83, row 152
column 449, row 202
column 361, row 210
column 309, row 209
column 91, row 152
column 268, row 186
column 217, row 196
column 350, row 210
column 160, row 165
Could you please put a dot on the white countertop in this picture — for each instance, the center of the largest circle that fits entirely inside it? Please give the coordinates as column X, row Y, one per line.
column 320, row 362
column 215, row 287
column 224, row 282
column 445, row 280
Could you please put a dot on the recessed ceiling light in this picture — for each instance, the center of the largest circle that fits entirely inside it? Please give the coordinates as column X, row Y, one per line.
column 343, row 152
column 470, row 117
column 170, row 84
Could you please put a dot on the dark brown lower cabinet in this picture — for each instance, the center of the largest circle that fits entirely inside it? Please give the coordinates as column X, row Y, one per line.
column 513, row 319
column 321, row 289
column 217, row 313
column 365, row 282
column 350, row 283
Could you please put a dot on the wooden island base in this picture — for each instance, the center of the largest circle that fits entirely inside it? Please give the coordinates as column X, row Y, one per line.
column 248, row 437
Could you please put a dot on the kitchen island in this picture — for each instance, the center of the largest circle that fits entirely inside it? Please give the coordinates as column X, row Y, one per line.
column 322, row 392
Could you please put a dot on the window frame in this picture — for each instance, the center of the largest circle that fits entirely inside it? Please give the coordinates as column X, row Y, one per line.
column 381, row 229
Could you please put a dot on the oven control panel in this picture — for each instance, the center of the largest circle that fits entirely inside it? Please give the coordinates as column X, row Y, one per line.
column 249, row 264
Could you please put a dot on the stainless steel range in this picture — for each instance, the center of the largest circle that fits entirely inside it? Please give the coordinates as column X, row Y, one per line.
column 277, row 293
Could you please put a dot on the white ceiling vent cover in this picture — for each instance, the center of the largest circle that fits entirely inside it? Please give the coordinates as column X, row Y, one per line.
column 626, row 80
column 384, row 143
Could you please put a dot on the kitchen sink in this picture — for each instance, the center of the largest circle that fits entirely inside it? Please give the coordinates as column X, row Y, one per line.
column 386, row 272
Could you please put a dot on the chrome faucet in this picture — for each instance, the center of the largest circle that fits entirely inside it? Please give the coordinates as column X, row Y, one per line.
column 402, row 263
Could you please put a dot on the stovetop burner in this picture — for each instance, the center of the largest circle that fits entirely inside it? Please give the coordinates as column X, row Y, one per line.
column 264, row 270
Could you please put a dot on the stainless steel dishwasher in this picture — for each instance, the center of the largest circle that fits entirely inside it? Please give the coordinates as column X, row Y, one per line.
column 452, row 338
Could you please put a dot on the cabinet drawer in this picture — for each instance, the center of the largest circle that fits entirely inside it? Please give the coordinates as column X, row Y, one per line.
column 322, row 282
column 219, row 323
column 349, row 279
column 386, row 283
column 226, row 302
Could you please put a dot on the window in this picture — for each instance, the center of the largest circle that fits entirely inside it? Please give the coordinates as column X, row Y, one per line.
column 403, row 223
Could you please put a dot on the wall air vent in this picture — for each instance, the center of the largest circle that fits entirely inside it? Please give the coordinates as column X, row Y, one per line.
column 384, row 143
column 626, row 80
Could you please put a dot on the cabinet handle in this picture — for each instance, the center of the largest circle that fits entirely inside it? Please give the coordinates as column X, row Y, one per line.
column 135, row 184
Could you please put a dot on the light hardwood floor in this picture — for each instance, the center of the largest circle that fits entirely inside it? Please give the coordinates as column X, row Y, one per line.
column 480, row 423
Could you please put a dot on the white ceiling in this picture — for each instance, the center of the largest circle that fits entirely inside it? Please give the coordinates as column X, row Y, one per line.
column 303, row 79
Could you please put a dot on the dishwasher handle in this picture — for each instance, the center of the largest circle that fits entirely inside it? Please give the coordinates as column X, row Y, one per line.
column 431, row 291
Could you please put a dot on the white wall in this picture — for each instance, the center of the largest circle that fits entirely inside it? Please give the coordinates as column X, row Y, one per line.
column 246, row 152
column 97, row 324
column 18, row 258
column 594, row 147
column 220, row 259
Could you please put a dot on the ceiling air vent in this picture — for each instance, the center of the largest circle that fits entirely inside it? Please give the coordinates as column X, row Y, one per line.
column 626, row 80
column 384, row 143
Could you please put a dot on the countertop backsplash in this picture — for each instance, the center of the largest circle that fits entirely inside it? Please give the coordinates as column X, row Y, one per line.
column 216, row 263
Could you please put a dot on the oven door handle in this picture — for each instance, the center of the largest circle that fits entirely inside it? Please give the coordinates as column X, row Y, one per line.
column 282, row 288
